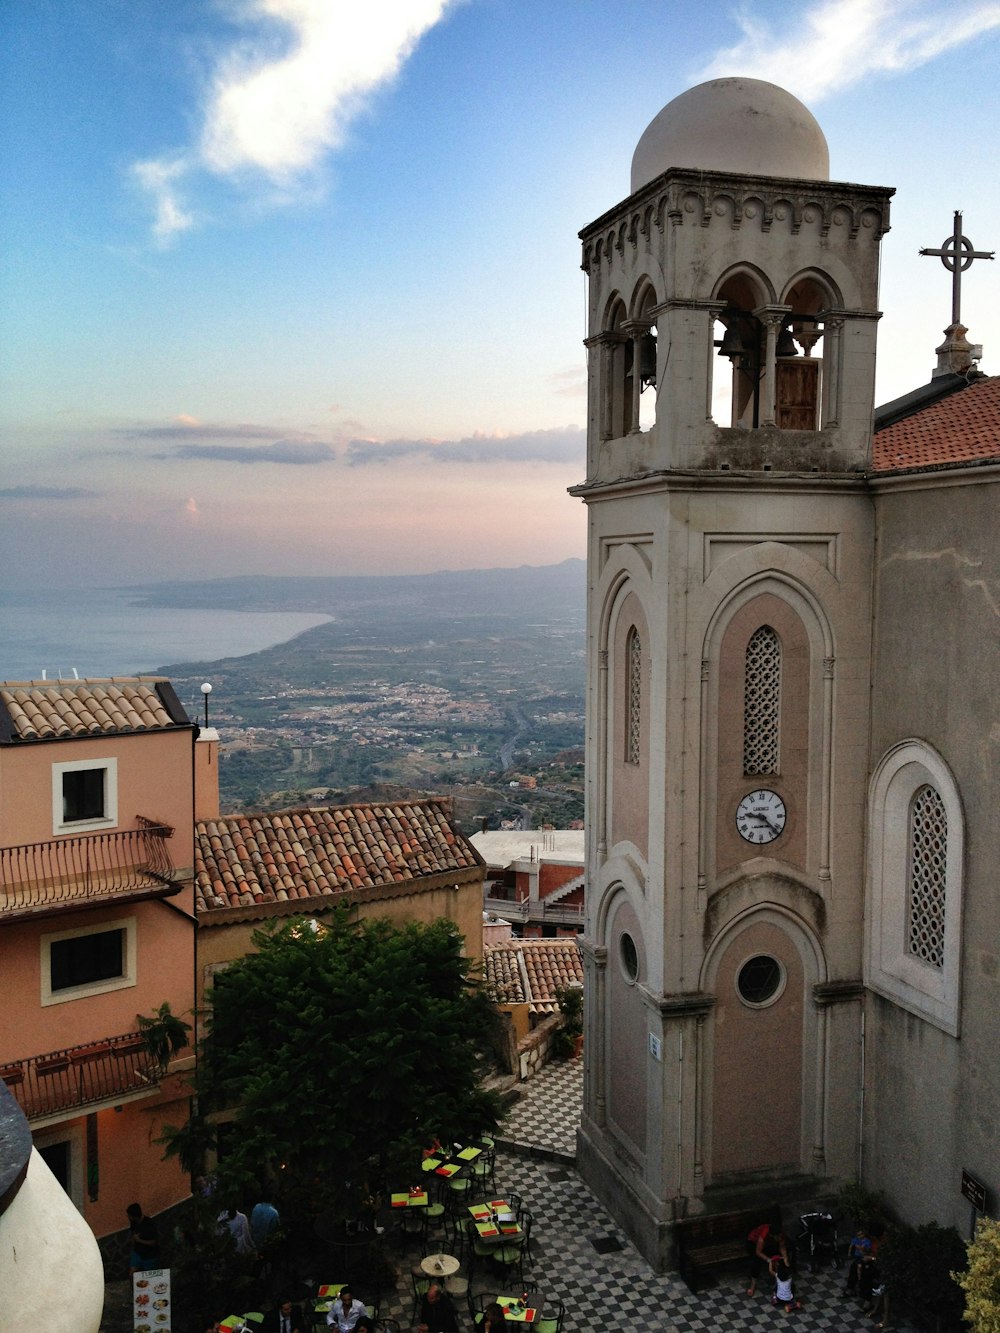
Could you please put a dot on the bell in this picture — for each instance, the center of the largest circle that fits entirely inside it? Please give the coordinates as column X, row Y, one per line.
column 647, row 359
column 786, row 344
column 731, row 345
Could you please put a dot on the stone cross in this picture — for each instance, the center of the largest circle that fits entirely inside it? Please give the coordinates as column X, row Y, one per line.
column 956, row 254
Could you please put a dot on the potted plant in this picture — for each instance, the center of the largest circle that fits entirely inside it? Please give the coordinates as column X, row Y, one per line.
column 567, row 1041
column 163, row 1035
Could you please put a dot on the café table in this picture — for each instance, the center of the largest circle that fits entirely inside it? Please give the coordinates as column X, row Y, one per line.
column 495, row 1222
column 415, row 1197
column 450, row 1164
column 488, row 1208
column 440, row 1265
column 516, row 1311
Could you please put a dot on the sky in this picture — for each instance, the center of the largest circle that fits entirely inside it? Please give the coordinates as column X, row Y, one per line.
column 294, row 286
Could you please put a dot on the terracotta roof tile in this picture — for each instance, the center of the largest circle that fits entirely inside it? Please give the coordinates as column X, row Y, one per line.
column 243, row 860
column 962, row 428
column 519, row 971
column 43, row 710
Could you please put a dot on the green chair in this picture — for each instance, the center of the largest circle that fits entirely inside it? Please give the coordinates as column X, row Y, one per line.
column 512, row 1255
column 483, row 1168
column 551, row 1321
column 413, row 1224
column 420, row 1282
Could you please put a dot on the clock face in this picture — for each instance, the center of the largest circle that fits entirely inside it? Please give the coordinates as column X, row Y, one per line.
column 760, row 816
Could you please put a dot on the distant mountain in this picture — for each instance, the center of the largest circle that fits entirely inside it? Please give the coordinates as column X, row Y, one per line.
column 528, row 591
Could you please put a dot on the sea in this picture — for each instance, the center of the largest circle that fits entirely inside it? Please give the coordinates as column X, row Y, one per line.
column 104, row 632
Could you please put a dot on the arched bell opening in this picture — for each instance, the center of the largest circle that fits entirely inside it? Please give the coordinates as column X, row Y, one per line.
column 799, row 356
column 643, row 359
column 739, row 337
column 617, row 351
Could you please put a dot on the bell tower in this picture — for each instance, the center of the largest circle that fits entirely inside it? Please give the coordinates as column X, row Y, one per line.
column 732, row 310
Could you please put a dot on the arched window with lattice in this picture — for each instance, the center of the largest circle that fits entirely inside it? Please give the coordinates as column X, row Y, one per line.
column 927, row 886
column 762, row 702
column 913, row 915
column 633, row 696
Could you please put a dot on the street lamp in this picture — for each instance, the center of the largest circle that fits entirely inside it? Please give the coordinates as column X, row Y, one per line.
column 206, row 690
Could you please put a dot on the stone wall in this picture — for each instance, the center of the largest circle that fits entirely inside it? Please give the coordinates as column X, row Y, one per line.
column 535, row 1050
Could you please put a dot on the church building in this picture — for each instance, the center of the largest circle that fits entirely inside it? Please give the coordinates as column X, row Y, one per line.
column 792, row 942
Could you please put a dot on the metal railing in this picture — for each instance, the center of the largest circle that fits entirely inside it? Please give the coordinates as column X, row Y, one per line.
column 521, row 910
column 96, row 865
column 81, row 1075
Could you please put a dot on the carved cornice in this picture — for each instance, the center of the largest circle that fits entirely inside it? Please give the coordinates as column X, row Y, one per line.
column 681, row 196
column 837, row 992
column 597, row 953
column 690, row 1004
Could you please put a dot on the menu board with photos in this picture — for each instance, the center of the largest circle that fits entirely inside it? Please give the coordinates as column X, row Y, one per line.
column 151, row 1301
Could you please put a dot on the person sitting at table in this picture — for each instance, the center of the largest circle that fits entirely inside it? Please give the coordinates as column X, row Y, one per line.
column 346, row 1311
column 287, row 1318
column 493, row 1319
column 437, row 1314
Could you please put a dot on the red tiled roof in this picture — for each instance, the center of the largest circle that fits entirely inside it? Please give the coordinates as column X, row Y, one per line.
column 531, row 971
column 962, row 428
column 249, row 860
column 44, row 710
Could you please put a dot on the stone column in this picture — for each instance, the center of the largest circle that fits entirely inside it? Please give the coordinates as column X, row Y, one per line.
column 771, row 317
column 595, row 962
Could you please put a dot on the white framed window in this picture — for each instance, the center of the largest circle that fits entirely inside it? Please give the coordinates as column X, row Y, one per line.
column 84, row 795
column 88, row 961
column 914, row 917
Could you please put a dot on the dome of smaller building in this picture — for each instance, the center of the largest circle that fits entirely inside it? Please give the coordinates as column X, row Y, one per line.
column 739, row 125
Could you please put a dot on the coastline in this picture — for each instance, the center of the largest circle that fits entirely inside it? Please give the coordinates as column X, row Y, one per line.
column 104, row 632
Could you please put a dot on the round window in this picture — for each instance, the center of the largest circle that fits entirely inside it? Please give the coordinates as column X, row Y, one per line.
column 630, row 957
column 760, row 980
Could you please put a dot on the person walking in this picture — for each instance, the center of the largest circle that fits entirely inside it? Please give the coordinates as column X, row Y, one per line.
column 145, row 1252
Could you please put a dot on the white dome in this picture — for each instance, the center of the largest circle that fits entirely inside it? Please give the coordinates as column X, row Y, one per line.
column 739, row 125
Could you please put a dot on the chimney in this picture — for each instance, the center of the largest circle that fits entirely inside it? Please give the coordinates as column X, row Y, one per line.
column 206, row 774
column 956, row 355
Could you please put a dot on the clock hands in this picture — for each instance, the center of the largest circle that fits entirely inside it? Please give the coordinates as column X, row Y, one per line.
column 763, row 819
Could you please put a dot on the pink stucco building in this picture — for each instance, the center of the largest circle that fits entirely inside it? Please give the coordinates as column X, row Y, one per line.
column 97, row 927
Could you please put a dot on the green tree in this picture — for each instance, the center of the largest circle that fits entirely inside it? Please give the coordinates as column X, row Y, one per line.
column 981, row 1281
column 341, row 1049
column 164, row 1035
column 921, row 1266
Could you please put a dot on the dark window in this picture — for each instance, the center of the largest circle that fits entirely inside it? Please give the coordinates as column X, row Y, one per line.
column 759, row 979
column 56, row 1157
column 84, row 959
column 630, row 957
column 83, row 794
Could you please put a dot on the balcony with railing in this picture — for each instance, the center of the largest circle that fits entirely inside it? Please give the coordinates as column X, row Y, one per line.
column 523, row 910
column 90, row 870
column 81, row 1076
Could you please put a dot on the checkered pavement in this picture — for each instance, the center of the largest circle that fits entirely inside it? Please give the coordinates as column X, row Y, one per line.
column 580, row 1256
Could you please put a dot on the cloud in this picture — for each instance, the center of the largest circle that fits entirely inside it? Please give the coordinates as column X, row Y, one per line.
column 297, row 452
column 47, row 493
column 570, row 383
column 562, row 445
column 191, row 511
column 837, row 43
column 189, row 428
column 159, row 179
column 190, row 440
column 284, row 97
